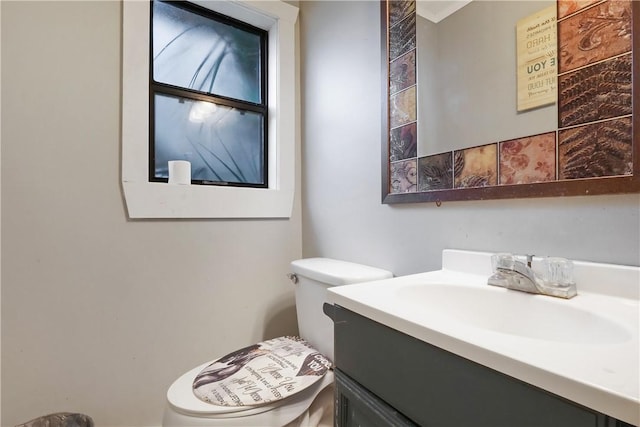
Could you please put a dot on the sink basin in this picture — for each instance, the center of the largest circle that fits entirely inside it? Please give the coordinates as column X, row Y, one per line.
column 515, row 313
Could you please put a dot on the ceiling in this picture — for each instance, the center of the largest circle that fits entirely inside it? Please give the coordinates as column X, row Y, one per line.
column 437, row 10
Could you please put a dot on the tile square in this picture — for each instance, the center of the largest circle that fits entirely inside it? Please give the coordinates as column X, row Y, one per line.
column 403, row 142
column 597, row 92
column 594, row 34
column 402, row 72
column 435, row 172
column 528, row 160
column 402, row 107
column 402, row 37
column 403, row 176
column 569, row 7
column 596, row 150
column 476, row 167
column 400, row 9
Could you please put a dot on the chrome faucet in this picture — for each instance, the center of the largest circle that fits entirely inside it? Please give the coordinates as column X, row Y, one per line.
column 513, row 273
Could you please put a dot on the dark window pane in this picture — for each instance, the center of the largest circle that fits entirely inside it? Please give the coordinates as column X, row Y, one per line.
column 202, row 54
column 223, row 144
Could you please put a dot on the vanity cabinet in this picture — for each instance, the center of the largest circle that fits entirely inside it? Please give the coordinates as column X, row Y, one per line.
column 386, row 378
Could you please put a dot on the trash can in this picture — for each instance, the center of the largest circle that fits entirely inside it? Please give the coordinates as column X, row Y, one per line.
column 60, row 419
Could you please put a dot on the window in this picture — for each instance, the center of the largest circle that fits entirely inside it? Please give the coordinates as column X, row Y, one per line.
column 145, row 193
column 208, row 96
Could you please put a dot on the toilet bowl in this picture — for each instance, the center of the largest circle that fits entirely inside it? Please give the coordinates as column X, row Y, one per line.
column 307, row 405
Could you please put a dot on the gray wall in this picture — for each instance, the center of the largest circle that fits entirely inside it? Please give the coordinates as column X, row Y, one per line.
column 342, row 213
column 101, row 314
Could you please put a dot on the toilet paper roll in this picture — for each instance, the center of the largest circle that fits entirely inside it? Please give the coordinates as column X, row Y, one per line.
column 180, row 172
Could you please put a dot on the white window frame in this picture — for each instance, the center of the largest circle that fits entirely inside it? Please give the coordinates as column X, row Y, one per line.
column 146, row 199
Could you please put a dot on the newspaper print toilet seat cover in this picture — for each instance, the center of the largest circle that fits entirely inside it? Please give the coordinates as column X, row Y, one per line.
column 261, row 373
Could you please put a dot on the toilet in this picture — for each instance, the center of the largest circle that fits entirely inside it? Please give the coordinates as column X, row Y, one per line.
column 304, row 407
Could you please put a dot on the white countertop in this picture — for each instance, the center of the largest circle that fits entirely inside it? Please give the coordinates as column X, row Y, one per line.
column 593, row 366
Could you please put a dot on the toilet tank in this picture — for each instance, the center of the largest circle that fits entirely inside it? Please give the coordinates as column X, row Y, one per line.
column 314, row 276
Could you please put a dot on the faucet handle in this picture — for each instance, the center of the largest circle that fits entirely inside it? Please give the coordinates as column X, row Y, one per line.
column 558, row 271
column 503, row 261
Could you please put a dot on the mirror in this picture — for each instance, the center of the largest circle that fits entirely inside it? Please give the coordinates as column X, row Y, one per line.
column 467, row 118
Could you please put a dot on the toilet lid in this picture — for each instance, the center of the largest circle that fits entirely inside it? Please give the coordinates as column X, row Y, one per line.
column 181, row 398
column 261, row 373
column 182, row 402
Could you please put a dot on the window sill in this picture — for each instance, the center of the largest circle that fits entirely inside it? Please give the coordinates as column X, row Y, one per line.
column 161, row 200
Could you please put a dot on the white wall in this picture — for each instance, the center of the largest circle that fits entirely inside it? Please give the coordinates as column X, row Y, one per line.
column 100, row 314
column 342, row 213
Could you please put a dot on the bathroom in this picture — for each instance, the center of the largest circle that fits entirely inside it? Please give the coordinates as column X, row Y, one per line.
column 101, row 313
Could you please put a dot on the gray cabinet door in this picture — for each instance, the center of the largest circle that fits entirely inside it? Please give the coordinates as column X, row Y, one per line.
column 357, row 407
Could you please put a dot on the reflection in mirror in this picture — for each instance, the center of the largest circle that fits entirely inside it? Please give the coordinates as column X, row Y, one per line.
column 509, row 99
column 466, row 73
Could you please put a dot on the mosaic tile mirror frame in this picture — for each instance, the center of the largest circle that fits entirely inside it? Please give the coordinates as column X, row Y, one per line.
column 592, row 148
